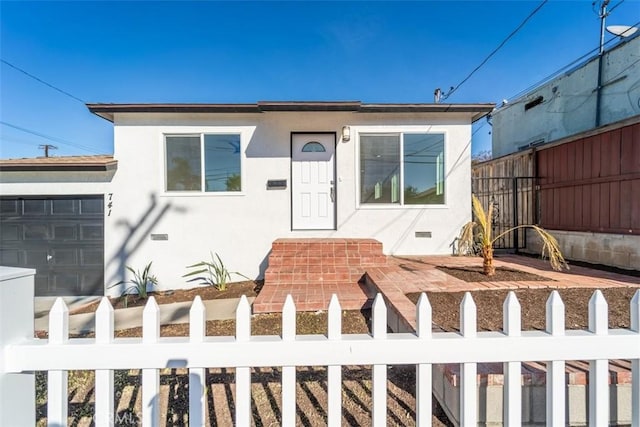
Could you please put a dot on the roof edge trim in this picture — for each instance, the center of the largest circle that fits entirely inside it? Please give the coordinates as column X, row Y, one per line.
column 107, row 111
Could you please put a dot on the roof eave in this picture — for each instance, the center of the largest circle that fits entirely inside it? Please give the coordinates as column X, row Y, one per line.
column 478, row 110
column 107, row 111
column 60, row 167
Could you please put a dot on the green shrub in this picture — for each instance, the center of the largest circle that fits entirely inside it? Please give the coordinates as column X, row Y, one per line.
column 139, row 283
column 212, row 273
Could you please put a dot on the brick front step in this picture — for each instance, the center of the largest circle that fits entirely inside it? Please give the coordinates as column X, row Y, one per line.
column 289, row 253
column 312, row 270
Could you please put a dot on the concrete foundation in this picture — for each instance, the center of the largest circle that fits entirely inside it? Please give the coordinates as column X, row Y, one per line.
column 490, row 398
column 615, row 250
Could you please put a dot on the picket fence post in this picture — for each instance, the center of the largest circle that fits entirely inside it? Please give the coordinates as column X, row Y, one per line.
column 512, row 326
column 150, row 377
column 197, row 376
column 598, row 369
column 243, row 374
column 423, row 370
column 334, row 372
column 555, row 368
column 379, row 375
column 57, row 384
column 468, row 371
column 104, row 413
column 17, row 391
column 288, row 372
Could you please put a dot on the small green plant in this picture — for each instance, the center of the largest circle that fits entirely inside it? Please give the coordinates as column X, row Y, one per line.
column 212, row 273
column 139, row 283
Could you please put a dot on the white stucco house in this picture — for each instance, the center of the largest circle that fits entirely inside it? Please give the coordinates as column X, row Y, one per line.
column 231, row 178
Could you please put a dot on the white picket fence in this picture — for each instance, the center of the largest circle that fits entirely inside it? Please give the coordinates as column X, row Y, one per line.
column 21, row 355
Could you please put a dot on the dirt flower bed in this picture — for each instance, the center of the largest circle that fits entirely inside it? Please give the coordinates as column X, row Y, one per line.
column 446, row 307
column 250, row 288
column 475, row 274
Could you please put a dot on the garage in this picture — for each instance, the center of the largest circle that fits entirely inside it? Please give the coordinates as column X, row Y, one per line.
column 62, row 237
column 52, row 219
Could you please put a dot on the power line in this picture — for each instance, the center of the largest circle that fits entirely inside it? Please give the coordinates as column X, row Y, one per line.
column 513, row 33
column 614, row 7
column 51, row 138
column 479, row 127
column 42, row 81
column 17, row 141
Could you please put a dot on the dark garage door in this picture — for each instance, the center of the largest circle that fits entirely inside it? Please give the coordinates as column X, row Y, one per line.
column 61, row 237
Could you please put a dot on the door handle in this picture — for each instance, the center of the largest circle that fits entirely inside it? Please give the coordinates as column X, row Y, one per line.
column 332, row 193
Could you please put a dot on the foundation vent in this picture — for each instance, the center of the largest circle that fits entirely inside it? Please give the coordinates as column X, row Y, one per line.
column 423, row 234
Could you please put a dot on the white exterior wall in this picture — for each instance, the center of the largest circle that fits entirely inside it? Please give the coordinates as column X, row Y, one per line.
column 241, row 227
column 54, row 183
column 569, row 105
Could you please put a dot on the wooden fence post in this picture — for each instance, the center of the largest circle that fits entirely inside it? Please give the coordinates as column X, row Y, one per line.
column 17, row 391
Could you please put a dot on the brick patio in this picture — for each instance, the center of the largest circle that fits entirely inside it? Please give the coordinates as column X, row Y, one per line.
column 311, row 270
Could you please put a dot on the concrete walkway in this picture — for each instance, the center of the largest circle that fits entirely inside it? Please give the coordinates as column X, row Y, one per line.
column 132, row 317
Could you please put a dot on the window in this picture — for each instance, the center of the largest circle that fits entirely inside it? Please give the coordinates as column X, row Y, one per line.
column 413, row 162
column 207, row 162
column 313, row 147
column 379, row 168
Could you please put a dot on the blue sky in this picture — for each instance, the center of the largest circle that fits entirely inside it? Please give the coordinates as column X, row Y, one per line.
column 212, row 52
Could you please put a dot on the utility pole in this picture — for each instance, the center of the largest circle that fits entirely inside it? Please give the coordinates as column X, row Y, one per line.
column 46, row 148
column 603, row 16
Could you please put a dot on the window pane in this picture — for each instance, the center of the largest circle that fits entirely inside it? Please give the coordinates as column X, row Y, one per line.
column 380, row 169
column 8, row 206
column 183, row 163
column 423, row 169
column 91, row 206
column 91, row 232
column 34, row 207
column 313, row 147
column 63, row 206
column 222, row 163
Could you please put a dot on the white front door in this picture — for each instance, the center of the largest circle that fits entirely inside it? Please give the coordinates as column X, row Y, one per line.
column 312, row 181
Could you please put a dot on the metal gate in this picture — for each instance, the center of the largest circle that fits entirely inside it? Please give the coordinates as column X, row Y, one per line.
column 514, row 203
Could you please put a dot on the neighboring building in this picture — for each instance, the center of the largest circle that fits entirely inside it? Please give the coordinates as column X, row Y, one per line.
column 232, row 178
column 574, row 152
column 567, row 104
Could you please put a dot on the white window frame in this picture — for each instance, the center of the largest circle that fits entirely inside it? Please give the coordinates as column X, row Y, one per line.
column 400, row 130
column 245, row 135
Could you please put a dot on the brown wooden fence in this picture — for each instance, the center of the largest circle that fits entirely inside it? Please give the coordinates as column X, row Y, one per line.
column 592, row 183
column 588, row 182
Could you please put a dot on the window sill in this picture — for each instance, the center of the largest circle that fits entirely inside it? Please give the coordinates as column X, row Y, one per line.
column 202, row 194
column 400, row 207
